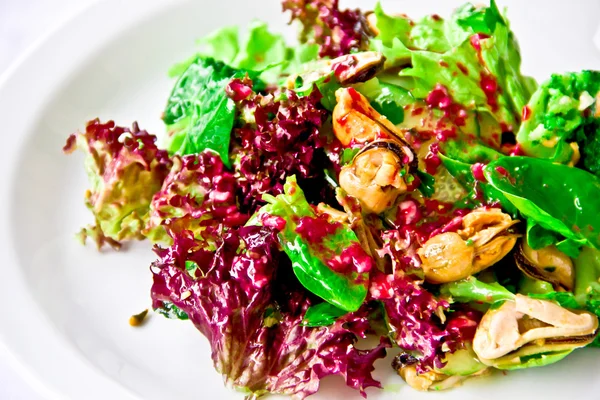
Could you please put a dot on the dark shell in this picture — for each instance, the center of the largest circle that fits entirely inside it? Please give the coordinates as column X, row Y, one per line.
column 402, row 150
column 532, row 271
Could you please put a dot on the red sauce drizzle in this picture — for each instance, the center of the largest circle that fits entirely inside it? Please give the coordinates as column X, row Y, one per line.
column 440, row 98
column 463, row 324
column 477, row 170
column 476, row 40
column 526, row 113
column 352, row 259
column 342, row 121
column 273, row 221
column 502, row 171
column 432, row 159
column 489, row 85
column 340, row 68
column 517, row 151
column 354, row 94
column 462, row 68
column 417, row 111
column 314, row 229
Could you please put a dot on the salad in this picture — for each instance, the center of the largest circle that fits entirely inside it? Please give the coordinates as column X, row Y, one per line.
column 384, row 178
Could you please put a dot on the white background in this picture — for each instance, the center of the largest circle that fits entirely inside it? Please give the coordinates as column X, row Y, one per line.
column 22, row 22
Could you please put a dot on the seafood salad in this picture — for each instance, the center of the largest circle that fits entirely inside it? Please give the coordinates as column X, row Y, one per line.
column 384, row 178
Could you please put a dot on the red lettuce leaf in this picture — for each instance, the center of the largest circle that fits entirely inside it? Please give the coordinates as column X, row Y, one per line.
column 199, row 194
column 125, row 168
column 250, row 307
column 280, row 136
column 412, row 318
column 337, row 32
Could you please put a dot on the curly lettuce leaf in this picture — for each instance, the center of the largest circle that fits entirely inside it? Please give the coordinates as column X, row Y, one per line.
column 125, row 169
column 337, row 32
column 198, row 195
column 561, row 113
column 473, row 55
column 411, row 315
column 250, row 308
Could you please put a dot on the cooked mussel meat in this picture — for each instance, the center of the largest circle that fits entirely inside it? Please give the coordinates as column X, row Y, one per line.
column 547, row 264
column 526, row 327
column 377, row 174
column 485, row 238
column 356, row 122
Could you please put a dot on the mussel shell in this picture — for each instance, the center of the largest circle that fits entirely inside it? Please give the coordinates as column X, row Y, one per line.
column 401, row 149
column 361, row 67
column 532, row 271
column 553, row 346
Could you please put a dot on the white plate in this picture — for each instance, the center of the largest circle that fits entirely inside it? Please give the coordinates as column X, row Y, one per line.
column 65, row 307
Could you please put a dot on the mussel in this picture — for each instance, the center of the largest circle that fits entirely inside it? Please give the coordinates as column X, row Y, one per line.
column 485, row 238
column 376, row 176
column 357, row 67
column 531, row 329
column 547, row 264
column 459, row 366
column 356, row 122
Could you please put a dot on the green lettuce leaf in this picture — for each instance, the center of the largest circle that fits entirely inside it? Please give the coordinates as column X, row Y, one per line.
column 472, row 289
column 473, row 54
column 387, row 99
column 199, row 115
column 311, row 259
column 322, row 314
column 459, row 162
column 559, row 198
column 562, row 111
column 258, row 49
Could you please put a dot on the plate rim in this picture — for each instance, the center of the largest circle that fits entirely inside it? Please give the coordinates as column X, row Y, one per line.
column 22, row 340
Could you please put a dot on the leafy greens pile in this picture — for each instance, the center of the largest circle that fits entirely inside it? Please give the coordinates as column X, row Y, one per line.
column 302, row 196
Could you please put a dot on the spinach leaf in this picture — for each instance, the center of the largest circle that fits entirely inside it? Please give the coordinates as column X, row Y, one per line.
column 472, row 289
column 171, row 311
column 538, row 237
column 389, row 100
column 199, row 115
column 325, row 83
column 311, row 259
column 559, row 198
column 470, row 152
column 323, row 314
column 427, row 183
column 463, row 173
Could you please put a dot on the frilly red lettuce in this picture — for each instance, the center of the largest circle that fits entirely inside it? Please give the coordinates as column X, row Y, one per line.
column 413, row 318
column 280, row 136
column 125, row 169
column 199, row 195
column 336, row 31
column 247, row 303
